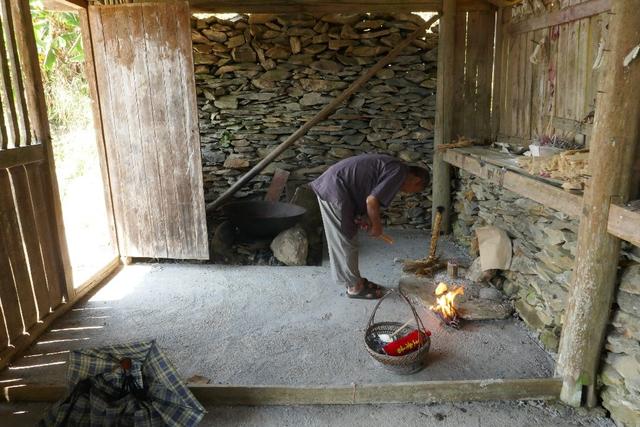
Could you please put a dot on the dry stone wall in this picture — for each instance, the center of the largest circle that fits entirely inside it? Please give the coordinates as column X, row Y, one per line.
column 620, row 375
column 544, row 242
column 259, row 78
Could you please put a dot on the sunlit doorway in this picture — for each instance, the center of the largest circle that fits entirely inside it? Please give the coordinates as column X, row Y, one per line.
column 84, row 209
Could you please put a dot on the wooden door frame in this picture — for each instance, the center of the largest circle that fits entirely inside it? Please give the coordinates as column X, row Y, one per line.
column 81, row 7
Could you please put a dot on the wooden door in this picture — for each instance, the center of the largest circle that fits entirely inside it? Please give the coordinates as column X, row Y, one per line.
column 144, row 69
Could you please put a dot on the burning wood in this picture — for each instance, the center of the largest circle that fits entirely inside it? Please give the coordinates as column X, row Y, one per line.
column 444, row 307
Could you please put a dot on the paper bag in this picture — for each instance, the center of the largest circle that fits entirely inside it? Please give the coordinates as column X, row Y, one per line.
column 495, row 248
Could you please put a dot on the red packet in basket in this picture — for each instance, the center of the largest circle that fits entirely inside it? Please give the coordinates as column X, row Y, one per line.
column 406, row 344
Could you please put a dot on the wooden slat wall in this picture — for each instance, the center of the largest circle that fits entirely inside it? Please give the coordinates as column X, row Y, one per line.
column 556, row 94
column 151, row 135
column 32, row 281
column 473, row 73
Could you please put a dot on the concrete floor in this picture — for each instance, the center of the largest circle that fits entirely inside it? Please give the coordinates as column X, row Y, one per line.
column 462, row 414
column 275, row 325
column 289, row 325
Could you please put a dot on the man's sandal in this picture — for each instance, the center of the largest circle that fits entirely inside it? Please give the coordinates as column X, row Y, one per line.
column 369, row 290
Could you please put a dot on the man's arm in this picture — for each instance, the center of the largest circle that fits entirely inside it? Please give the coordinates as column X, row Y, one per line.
column 373, row 212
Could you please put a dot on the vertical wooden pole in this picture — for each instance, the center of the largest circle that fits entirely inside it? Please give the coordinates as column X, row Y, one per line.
column 615, row 136
column 497, row 75
column 34, row 89
column 441, row 190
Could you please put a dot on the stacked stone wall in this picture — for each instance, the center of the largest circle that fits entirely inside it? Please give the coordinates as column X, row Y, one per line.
column 259, row 78
column 544, row 242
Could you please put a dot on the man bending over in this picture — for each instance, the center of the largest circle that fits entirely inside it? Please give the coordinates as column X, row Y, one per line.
column 350, row 194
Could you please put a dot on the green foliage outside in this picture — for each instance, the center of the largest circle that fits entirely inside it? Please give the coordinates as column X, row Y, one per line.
column 59, row 43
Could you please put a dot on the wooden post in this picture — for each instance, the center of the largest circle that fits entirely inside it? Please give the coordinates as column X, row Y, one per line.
column 322, row 114
column 441, row 189
column 39, row 119
column 615, row 136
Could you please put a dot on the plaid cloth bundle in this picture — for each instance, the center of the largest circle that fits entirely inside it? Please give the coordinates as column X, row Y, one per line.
column 124, row 385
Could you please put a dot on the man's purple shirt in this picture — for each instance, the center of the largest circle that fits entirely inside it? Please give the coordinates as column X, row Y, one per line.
column 348, row 183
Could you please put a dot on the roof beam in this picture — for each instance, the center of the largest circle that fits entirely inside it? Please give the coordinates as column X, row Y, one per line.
column 330, row 6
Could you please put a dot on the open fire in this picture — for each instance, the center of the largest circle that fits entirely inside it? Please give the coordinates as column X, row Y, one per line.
column 444, row 307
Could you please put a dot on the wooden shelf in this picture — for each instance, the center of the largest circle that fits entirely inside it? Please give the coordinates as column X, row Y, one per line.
column 500, row 168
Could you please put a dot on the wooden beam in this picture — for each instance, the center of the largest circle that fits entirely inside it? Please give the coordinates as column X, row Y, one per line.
column 441, row 181
column 25, row 341
column 562, row 16
column 356, row 394
column 526, row 186
column 21, row 156
column 624, row 223
column 327, row 7
column 322, row 114
column 616, row 132
column 65, row 5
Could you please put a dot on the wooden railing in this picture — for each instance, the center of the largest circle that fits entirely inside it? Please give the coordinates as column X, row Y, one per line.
column 32, row 281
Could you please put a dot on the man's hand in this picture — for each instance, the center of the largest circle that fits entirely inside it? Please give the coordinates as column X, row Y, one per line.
column 362, row 223
column 373, row 212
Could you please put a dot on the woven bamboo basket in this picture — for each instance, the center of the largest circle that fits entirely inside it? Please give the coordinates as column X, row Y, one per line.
column 408, row 363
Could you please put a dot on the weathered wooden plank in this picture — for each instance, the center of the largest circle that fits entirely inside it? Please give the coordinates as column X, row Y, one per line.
column 131, row 36
column 11, row 131
column 458, row 84
column 24, row 127
column 616, row 132
column 356, row 394
column 195, row 216
column 527, row 186
column 538, row 85
column 278, row 184
column 165, row 108
column 112, row 69
column 112, row 132
column 12, row 235
column 582, row 68
column 569, row 125
column 152, row 135
column 32, row 248
column 48, row 245
column 562, row 72
column 563, row 16
column 485, row 72
column 8, row 293
column 624, row 223
column 21, row 156
column 498, row 76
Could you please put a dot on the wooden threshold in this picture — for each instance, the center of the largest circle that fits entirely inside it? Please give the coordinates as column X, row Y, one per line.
column 25, row 341
column 356, row 394
column 624, row 222
column 21, row 156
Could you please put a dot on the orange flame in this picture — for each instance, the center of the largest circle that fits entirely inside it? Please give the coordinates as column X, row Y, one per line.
column 444, row 301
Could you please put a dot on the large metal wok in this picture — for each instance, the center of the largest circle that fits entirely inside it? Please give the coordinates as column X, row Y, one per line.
column 261, row 218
